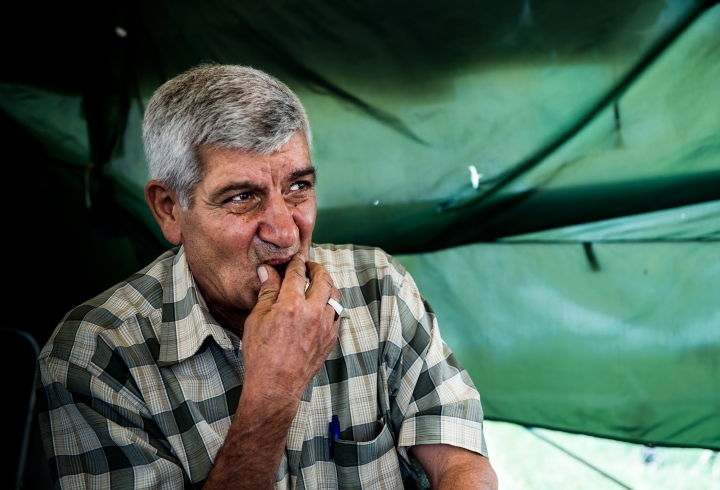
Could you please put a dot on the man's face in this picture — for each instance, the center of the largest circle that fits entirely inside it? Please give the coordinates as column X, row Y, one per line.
column 248, row 210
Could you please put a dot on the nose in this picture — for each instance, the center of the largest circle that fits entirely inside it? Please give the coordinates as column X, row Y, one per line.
column 278, row 226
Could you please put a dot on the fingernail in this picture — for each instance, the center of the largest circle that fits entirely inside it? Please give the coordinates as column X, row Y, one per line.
column 262, row 273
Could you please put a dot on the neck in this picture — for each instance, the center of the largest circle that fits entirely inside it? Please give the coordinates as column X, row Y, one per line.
column 231, row 319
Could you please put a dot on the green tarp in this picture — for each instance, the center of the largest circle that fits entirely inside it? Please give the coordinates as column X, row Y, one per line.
column 629, row 349
column 548, row 170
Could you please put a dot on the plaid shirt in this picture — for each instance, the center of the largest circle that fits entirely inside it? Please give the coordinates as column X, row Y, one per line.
column 138, row 387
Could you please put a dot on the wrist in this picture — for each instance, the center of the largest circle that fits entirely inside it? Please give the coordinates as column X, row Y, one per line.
column 263, row 400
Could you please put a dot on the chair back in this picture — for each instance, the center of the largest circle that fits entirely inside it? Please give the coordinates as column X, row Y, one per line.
column 17, row 368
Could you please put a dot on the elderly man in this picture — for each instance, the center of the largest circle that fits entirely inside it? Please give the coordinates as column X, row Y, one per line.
column 248, row 356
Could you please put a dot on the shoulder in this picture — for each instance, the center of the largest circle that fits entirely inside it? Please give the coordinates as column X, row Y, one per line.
column 114, row 318
column 376, row 289
column 362, row 262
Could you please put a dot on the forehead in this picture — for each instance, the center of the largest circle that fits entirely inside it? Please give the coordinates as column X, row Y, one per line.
column 223, row 164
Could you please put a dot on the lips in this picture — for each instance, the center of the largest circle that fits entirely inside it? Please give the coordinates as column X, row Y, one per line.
column 279, row 265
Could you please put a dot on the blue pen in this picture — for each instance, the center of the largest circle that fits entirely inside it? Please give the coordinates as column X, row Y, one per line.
column 333, row 432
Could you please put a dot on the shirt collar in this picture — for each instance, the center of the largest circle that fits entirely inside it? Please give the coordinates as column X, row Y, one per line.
column 186, row 319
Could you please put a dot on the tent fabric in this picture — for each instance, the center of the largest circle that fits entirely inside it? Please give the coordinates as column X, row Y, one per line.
column 528, row 161
column 626, row 349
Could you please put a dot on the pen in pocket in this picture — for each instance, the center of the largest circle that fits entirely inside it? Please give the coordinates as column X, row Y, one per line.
column 333, row 433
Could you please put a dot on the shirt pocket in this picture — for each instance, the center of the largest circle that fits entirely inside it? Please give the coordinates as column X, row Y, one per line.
column 368, row 465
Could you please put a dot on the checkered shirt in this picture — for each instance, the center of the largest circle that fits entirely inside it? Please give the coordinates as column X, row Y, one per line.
column 137, row 388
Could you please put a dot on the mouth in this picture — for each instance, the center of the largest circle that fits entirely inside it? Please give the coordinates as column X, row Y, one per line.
column 280, row 265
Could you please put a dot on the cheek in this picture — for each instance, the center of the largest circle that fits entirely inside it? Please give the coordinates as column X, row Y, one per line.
column 304, row 218
column 240, row 232
column 228, row 237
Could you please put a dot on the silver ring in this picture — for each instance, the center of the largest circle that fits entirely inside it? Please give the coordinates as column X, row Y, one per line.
column 336, row 306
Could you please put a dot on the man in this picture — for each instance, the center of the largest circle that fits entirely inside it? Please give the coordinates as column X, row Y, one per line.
column 248, row 357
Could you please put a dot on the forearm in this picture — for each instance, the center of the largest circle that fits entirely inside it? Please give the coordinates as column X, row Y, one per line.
column 461, row 477
column 253, row 448
column 453, row 468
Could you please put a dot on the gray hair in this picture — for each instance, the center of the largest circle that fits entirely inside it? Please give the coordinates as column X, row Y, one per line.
column 221, row 106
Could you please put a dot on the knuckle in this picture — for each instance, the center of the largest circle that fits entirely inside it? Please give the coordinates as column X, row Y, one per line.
column 296, row 273
column 329, row 282
column 294, row 310
column 268, row 292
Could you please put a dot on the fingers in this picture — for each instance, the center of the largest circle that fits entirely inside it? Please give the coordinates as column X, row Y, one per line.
column 321, row 284
column 322, row 289
column 295, row 274
column 295, row 284
column 269, row 286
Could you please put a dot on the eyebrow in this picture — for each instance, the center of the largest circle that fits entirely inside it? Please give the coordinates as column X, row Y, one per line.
column 304, row 172
column 253, row 187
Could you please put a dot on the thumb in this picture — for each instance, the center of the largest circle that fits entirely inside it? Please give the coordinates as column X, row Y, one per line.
column 269, row 286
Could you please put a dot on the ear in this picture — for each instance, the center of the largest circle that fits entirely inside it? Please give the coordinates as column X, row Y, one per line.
column 165, row 207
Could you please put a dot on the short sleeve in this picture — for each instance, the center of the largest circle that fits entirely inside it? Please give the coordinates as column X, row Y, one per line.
column 433, row 399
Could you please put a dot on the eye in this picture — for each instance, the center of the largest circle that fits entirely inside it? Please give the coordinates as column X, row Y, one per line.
column 243, row 196
column 301, row 184
column 241, row 202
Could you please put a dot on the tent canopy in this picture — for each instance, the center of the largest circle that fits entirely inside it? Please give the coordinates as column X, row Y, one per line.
column 548, row 170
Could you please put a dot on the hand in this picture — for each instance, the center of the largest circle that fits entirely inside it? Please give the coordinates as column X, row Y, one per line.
column 290, row 332
column 287, row 337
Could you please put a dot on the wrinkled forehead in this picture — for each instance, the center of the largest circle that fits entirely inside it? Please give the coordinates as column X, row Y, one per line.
column 222, row 165
column 296, row 143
